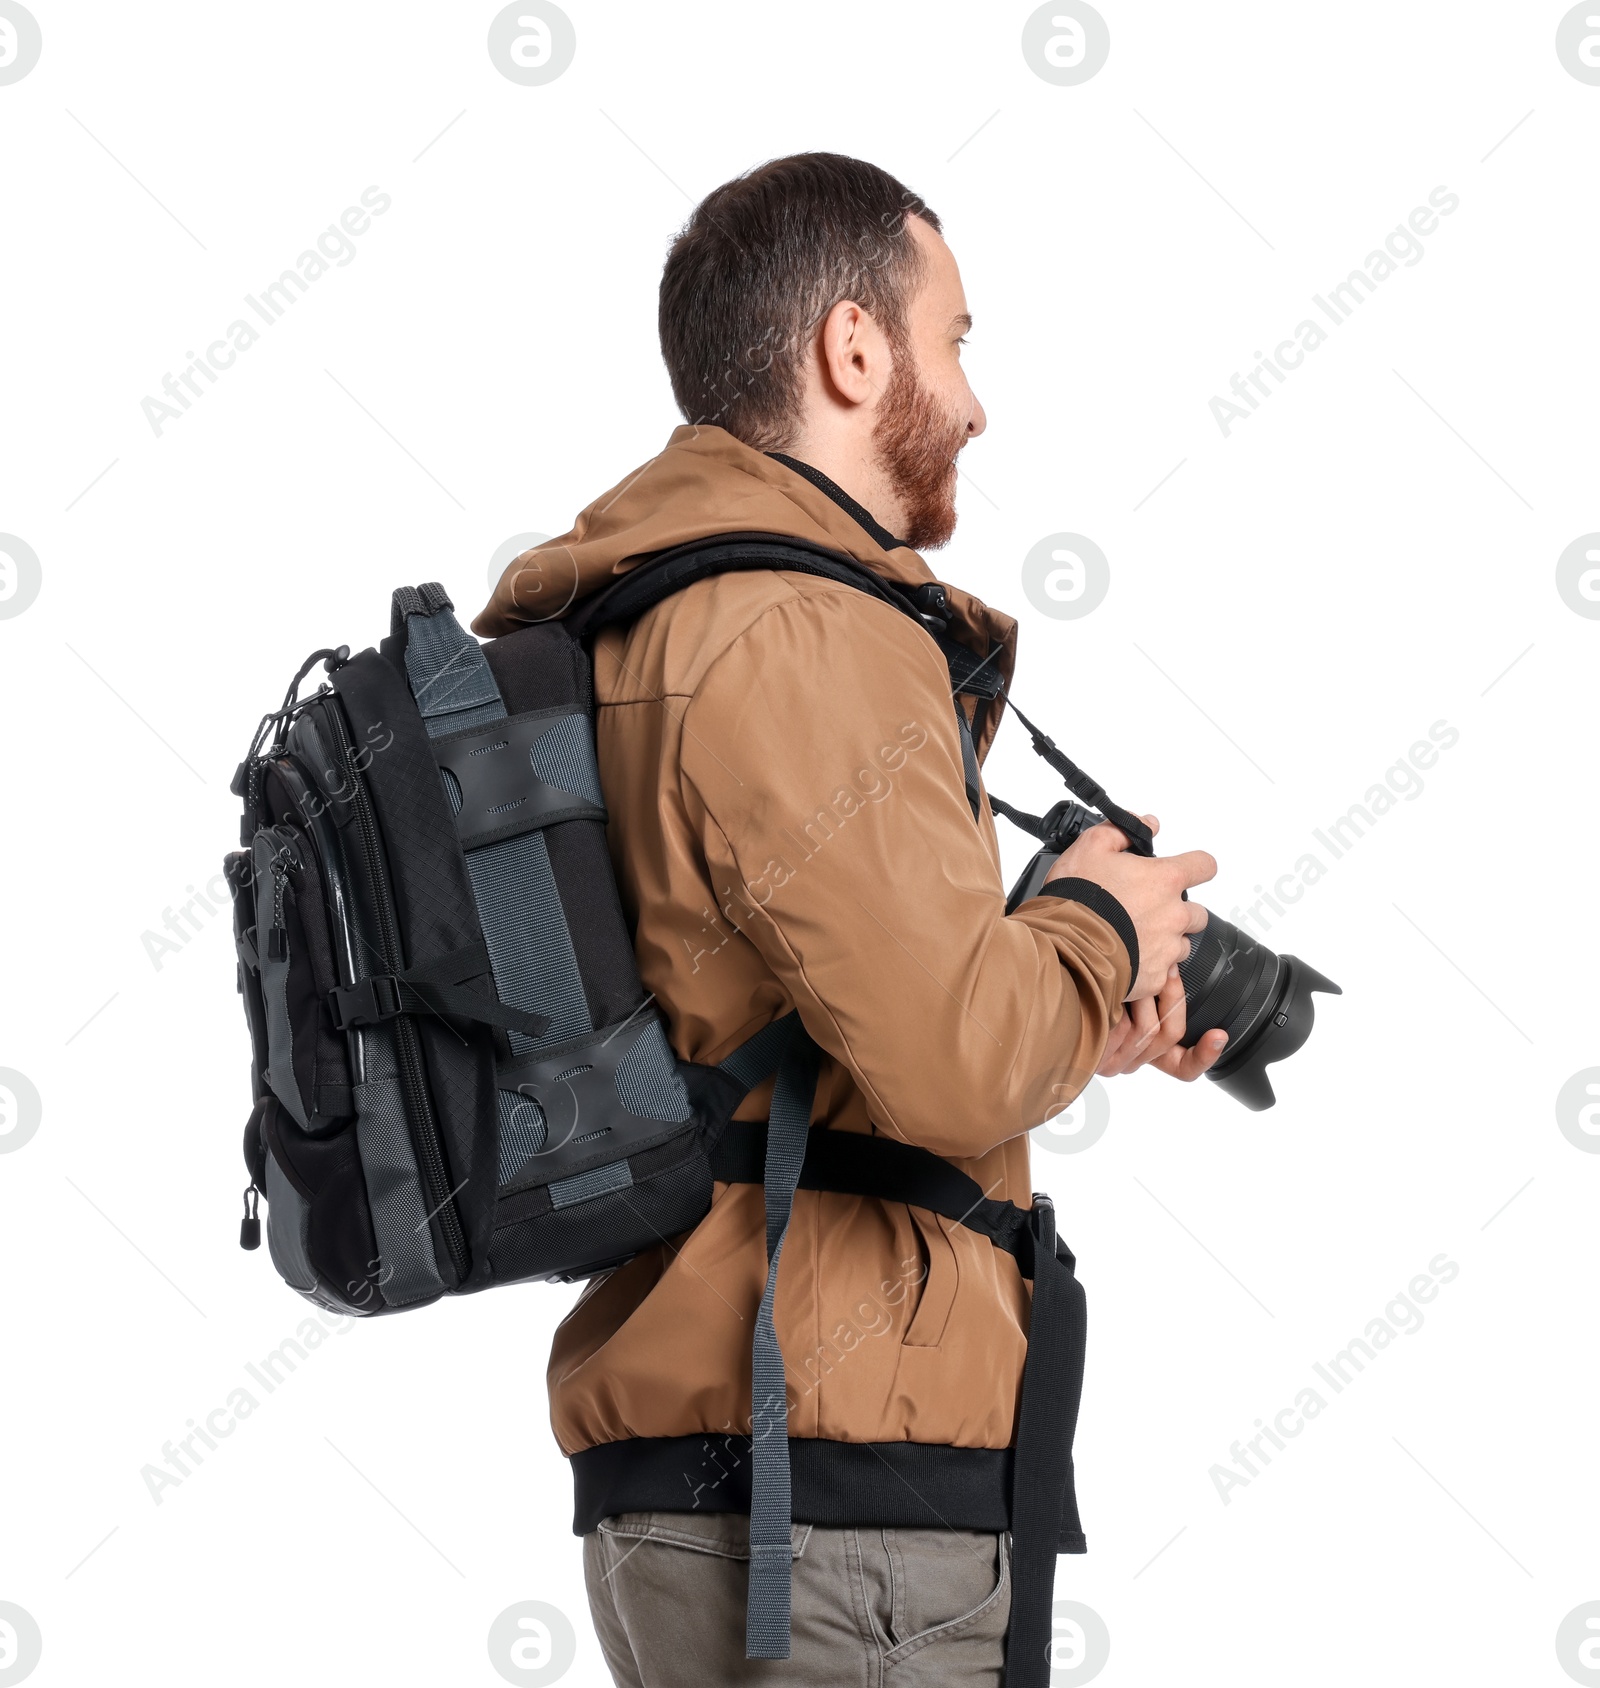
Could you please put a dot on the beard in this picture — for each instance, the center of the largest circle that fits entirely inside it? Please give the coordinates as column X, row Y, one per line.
column 917, row 441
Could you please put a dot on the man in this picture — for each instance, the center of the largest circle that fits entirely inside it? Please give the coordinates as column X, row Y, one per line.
column 790, row 821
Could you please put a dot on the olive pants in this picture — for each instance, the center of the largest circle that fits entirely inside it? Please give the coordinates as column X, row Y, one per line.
column 873, row 1608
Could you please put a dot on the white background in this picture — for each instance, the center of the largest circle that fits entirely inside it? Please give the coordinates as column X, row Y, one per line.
column 1288, row 613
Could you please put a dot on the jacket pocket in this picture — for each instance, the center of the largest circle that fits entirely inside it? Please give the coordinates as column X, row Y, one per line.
column 308, row 1062
column 939, row 1279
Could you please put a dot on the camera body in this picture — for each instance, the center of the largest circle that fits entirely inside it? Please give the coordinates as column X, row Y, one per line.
column 1261, row 999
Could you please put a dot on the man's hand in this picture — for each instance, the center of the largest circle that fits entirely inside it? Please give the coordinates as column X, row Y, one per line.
column 1147, row 1036
column 1150, row 888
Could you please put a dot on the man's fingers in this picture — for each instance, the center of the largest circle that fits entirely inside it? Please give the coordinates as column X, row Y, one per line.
column 1190, row 1064
column 1196, row 916
column 1114, row 838
column 1169, row 1003
column 1116, row 1044
column 1195, row 866
column 1106, row 836
column 1123, row 1054
column 1152, row 1025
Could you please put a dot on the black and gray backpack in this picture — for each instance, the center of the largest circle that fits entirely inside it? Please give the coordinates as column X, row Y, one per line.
column 458, row 1079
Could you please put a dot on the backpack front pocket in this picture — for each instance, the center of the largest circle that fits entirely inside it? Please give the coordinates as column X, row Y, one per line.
column 238, row 868
column 308, row 1061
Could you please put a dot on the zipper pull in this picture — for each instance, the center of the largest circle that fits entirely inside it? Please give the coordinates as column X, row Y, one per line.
column 247, row 784
column 278, row 932
column 250, row 1225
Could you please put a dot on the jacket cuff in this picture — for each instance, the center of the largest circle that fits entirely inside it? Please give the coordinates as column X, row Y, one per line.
column 1099, row 901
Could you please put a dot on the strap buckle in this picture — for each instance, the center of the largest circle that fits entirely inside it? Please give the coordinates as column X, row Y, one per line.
column 368, row 1002
column 1047, row 1244
column 502, row 795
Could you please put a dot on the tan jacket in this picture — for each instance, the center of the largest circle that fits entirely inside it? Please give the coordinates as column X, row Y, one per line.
column 790, row 828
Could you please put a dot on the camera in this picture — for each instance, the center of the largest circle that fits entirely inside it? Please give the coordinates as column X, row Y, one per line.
column 1260, row 999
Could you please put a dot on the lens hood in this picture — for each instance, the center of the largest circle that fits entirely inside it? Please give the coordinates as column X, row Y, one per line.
column 1277, row 1034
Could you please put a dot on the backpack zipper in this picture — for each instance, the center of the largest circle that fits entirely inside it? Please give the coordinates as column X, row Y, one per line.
column 281, row 866
column 419, row 1108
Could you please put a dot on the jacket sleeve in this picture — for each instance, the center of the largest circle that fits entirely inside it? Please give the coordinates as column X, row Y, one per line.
column 822, row 764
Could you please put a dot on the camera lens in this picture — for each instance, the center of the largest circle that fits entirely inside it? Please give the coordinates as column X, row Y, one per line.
column 1260, row 999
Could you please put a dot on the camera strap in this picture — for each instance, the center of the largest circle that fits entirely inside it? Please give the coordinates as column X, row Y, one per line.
column 975, row 676
column 1089, row 790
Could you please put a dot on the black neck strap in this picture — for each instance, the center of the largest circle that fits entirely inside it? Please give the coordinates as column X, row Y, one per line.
column 1140, row 838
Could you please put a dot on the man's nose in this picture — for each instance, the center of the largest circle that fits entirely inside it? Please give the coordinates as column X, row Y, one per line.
column 977, row 422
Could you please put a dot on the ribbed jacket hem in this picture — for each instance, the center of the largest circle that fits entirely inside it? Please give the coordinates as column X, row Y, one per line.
column 901, row 1485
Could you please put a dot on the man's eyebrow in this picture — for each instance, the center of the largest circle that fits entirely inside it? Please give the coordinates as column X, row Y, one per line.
column 963, row 322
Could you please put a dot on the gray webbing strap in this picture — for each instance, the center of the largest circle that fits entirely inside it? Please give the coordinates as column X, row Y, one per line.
column 767, row 1612
column 785, row 1047
column 757, row 1057
column 531, row 956
column 969, row 762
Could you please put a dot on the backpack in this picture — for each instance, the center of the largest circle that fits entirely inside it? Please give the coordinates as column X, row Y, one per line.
column 457, row 1078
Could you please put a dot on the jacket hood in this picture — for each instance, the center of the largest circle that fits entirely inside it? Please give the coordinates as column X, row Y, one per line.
column 706, row 482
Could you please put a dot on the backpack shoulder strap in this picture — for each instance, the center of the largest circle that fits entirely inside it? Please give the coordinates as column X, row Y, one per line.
column 669, row 572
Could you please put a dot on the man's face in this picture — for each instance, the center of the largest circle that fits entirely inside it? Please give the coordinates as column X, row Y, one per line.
column 928, row 412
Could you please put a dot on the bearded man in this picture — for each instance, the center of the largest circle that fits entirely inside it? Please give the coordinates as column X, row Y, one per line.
column 798, row 825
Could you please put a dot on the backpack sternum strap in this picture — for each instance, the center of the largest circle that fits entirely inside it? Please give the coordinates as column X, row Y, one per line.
column 434, row 988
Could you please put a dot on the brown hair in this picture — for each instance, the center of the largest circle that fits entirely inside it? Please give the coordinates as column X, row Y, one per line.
column 760, row 263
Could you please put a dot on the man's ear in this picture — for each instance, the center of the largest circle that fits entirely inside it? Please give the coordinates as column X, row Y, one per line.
column 855, row 355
